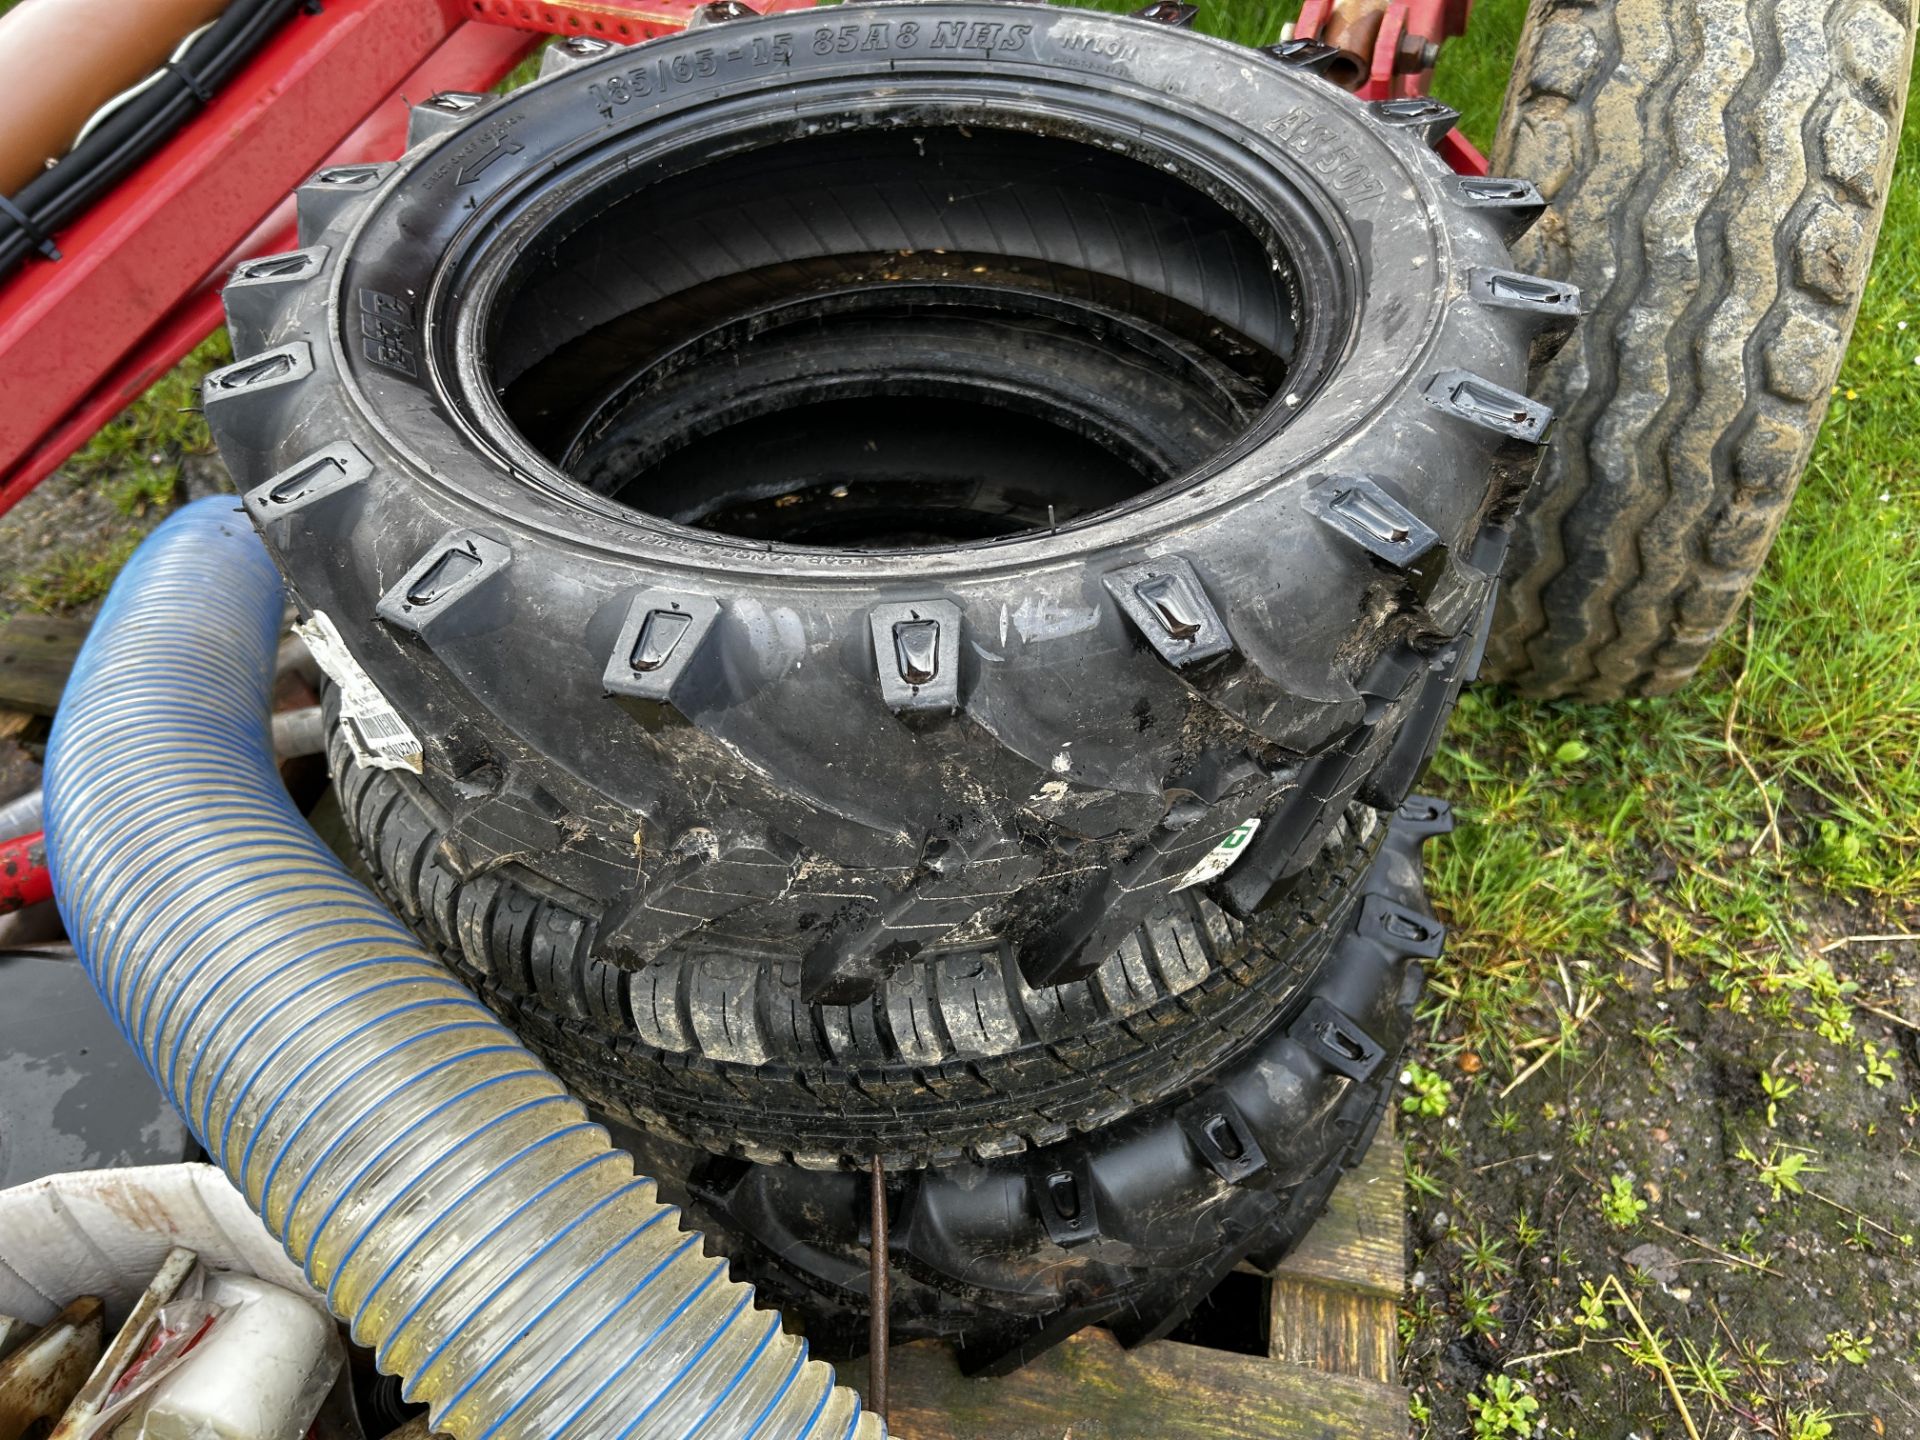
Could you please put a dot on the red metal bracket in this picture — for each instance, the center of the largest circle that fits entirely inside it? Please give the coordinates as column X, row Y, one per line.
column 1462, row 154
column 1388, row 49
column 82, row 335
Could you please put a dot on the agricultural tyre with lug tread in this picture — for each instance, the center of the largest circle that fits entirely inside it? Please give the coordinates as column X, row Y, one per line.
column 1716, row 172
column 1131, row 1227
column 884, row 623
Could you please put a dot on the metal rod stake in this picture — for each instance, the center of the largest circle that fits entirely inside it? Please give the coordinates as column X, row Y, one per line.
column 877, row 1288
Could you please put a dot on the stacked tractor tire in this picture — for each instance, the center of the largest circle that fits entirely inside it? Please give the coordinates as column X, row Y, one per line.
column 889, row 576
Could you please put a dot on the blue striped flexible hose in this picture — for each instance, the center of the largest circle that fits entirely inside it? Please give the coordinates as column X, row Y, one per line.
column 435, row 1182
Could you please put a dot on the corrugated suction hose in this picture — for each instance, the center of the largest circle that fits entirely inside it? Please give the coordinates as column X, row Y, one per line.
column 437, row 1184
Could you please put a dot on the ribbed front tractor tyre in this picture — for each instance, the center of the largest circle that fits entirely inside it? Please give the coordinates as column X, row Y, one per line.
column 880, row 620
column 1716, row 172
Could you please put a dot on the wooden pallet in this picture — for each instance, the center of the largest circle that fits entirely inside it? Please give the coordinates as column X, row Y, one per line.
column 1330, row 1369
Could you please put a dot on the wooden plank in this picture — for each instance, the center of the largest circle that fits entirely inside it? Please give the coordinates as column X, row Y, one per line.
column 36, row 653
column 1333, row 1307
column 1336, row 1298
column 1088, row 1388
column 1360, row 1243
column 1335, row 1330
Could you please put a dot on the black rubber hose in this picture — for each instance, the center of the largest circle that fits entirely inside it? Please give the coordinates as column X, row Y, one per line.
column 131, row 133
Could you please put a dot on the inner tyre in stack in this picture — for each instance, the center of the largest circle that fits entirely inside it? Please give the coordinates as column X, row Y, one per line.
column 902, row 620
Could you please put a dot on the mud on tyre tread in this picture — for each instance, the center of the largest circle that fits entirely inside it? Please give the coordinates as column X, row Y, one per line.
column 1716, row 172
column 975, row 1065
column 1272, row 635
column 979, row 1066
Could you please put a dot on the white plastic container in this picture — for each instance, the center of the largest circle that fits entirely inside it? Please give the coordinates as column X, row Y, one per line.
column 268, row 1361
column 259, row 1372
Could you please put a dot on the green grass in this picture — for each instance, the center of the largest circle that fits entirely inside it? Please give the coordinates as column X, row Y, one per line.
column 116, row 488
column 137, row 455
column 72, row 578
column 1813, row 699
column 1571, row 814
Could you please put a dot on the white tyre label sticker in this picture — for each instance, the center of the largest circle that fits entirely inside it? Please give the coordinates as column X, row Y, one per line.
column 374, row 729
column 1219, row 860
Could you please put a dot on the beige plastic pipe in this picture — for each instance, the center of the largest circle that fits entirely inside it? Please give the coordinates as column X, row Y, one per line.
column 61, row 60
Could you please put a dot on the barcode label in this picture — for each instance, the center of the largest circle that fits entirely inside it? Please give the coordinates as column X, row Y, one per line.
column 374, row 729
column 382, row 727
column 1219, row 860
column 385, row 742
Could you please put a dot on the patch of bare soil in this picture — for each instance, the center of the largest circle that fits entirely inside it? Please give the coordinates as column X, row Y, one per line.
column 1707, row 1227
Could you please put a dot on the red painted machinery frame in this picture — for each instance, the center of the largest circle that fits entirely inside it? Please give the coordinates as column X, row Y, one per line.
column 138, row 287
column 139, row 282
